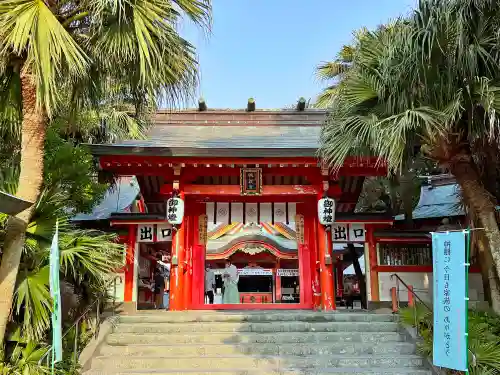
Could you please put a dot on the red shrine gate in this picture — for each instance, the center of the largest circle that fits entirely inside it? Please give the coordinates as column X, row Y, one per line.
column 249, row 162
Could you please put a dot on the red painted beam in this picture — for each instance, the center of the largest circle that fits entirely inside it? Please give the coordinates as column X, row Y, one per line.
column 137, row 164
column 403, row 240
column 234, row 190
column 155, row 160
column 136, row 221
column 189, row 172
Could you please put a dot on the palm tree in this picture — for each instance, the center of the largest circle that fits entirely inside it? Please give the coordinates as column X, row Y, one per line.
column 84, row 47
column 332, row 72
column 427, row 82
column 88, row 257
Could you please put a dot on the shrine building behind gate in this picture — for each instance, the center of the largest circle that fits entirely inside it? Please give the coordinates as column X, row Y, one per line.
column 250, row 182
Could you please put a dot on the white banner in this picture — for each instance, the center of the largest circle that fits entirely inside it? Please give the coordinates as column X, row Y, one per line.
column 248, row 271
column 236, row 213
column 255, row 272
column 218, row 213
column 287, row 272
column 251, row 210
column 279, row 213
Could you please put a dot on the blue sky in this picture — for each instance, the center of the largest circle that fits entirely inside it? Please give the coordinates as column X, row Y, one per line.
column 268, row 49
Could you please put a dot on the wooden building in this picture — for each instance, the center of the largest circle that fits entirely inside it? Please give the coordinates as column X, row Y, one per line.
column 250, row 181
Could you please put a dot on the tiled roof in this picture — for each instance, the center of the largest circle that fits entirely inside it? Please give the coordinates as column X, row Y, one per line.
column 437, row 201
column 231, row 137
column 117, row 199
column 227, row 133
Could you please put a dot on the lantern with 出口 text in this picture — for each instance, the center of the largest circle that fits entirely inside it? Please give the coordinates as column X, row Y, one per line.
column 175, row 211
column 326, row 211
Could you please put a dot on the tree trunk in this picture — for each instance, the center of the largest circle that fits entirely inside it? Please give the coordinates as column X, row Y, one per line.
column 479, row 201
column 491, row 285
column 359, row 274
column 407, row 183
column 393, row 191
column 30, row 183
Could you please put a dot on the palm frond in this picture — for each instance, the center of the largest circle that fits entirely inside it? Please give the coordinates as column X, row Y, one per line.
column 329, row 70
column 30, row 29
column 32, row 301
column 141, row 43
column 326, row 98
column 89, row 253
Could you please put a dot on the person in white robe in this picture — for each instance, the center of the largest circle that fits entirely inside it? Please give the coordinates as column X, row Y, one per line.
column 230, row 275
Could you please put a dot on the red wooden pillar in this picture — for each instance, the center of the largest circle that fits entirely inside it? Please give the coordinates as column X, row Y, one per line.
column 177, row 268
column 308, row 280
column 278, row 283
column 130, row 264
column 394, row 300
column 326, row 270
column 411, row 300
column 372, row 254
column 191, row 229
column 197, row 259
column 311, row 235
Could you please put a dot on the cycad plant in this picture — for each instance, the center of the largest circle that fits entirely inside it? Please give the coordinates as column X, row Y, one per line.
column 483, row 338
column 49, row 48
column 427, row 83
column 24, row 360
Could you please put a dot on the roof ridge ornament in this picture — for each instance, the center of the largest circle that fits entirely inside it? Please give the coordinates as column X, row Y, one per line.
column 202, row 105
column 251, row 105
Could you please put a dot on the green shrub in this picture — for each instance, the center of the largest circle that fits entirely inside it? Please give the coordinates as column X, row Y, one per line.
column 484, row 337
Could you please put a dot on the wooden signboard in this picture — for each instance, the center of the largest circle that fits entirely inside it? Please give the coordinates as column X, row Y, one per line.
column 202, row 229
column 251, row 181
column 299, row 229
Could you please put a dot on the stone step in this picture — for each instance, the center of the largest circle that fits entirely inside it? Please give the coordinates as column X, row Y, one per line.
column 337, row 371
column 113, row 363
column 263, row 349
column 253, row 338
column 271, row 316
column 281, row 326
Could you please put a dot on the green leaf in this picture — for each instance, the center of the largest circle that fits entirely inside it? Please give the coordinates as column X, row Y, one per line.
column 29, row 26
column 33, row 296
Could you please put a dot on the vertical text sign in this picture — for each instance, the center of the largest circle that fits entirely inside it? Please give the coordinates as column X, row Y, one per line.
column 450, row 304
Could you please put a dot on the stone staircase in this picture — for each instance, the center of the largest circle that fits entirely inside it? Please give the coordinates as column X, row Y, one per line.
column 257, row 343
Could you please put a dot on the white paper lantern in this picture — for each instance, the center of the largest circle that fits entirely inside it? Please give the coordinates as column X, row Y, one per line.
column 175, row 211
column 326, row 211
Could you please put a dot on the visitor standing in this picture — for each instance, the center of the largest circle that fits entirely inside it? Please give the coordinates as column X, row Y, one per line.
column 231, row 294
column 209, row 284
column 159, row 287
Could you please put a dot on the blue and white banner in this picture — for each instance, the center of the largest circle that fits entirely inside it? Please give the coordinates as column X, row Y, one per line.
column 55, row 293
column 450, row 300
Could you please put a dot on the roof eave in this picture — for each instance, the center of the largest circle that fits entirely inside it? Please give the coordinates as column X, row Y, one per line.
column 179, row 152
